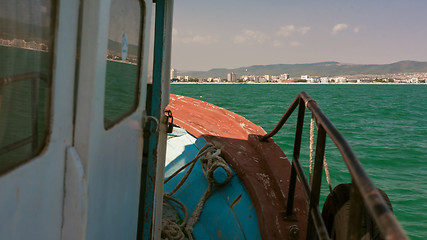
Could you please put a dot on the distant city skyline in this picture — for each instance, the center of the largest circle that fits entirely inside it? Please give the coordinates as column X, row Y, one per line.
column 229, row 34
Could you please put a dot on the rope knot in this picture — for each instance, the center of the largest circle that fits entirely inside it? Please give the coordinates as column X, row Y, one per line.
column 217, row 173
column 215, row 168
column 171, row 230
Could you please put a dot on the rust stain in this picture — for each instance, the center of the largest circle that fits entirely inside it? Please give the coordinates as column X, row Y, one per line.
column 219, row 233
column 236, row 200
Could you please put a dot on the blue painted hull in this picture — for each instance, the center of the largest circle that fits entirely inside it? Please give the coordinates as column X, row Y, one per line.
column 227, row 214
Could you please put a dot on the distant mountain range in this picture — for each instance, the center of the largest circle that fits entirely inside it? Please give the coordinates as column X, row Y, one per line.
column 10, row 29
column 327, row 69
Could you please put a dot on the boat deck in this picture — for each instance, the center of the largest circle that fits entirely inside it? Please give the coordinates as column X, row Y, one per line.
column 261, row 166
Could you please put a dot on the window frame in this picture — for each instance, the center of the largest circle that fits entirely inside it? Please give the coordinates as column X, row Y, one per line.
column 108, row 123
column 45, row 141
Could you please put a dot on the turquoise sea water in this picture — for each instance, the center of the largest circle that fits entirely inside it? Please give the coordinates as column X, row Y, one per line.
column 385, row 124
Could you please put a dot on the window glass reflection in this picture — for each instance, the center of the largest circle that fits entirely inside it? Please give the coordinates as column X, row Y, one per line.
column 123, row 58
column 26, row 38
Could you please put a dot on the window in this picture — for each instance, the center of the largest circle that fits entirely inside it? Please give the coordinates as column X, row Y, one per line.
column 26, row 39
column 123, row 60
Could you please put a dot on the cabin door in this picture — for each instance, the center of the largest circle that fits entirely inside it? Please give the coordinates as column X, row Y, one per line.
column 106, row 158
column 38, row 42
column 105, row 170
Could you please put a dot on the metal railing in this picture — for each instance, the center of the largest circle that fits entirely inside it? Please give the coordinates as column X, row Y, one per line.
column 363, row 192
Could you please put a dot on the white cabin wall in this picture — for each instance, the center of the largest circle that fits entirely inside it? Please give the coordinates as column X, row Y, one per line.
column 75, row 198
column 103, row 167
column 89, row 109
column 91, row 80
column 31, row 195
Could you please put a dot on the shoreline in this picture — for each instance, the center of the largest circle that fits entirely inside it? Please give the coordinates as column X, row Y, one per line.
column 271, row 83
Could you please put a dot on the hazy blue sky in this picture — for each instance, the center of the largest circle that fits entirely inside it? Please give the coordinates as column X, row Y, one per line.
column 235, row 33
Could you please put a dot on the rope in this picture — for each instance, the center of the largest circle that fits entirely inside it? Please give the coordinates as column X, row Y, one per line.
column 328, row 178
column 184, row 209
column 311, row 146
column 202, row 152
column 171, row 231
column 197, row 211
column 210, row 160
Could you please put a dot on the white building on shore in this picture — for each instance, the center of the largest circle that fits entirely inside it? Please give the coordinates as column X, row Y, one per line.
column 314, row 79
column 340, row 79
column 324, row 80
column 231, row 77
column 174, row 73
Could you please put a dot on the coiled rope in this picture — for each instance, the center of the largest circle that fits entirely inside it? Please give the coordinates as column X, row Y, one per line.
column 328, row 179
column 171, row 230
column 210, row 159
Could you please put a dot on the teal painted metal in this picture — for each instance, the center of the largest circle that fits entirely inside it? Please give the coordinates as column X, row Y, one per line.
column 227, row 214
column 153, row 105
